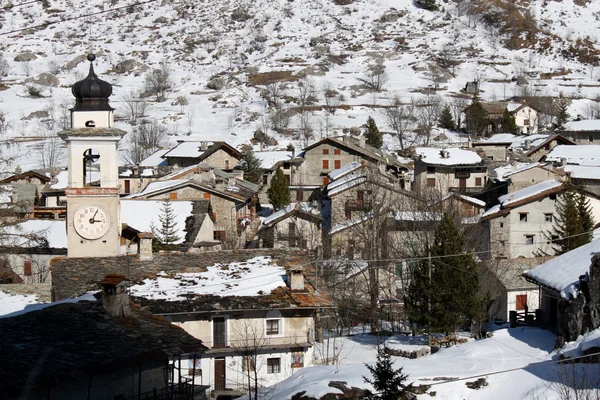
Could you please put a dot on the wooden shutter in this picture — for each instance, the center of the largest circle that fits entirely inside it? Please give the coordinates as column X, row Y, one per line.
column 521, row 301
column 27, row 268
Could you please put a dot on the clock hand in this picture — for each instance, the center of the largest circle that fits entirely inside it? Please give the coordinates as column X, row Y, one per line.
column 93, row 219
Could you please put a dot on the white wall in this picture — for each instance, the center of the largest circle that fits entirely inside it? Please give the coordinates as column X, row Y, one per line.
column 533, row 300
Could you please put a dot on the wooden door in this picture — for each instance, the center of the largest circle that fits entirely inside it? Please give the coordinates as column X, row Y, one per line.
column 219, row 374
column 218, row 333
column 462, row 183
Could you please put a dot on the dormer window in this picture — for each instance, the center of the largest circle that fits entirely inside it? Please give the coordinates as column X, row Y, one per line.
column 90, row 124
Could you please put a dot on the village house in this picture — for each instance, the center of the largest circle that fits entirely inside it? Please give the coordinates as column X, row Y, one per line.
column 517, row 225
column 296, row 225
column 569, row 296
column 252, row 309
column 583, row 132
column 215, row 154
column 448, row 169
column 520, row 177
column 526, row 117
column 270, row 162
column 585, row 155
column 103, row 347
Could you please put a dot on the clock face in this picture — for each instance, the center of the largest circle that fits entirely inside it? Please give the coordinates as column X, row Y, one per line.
column 91, row 222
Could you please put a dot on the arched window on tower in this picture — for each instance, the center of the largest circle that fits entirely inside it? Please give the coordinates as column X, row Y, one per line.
column 90, row 124
column 90, row 156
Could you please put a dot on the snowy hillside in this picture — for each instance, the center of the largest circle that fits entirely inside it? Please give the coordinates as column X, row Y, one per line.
column 222, row 55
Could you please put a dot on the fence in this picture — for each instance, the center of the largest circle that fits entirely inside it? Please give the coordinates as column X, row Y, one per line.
column 525, row 317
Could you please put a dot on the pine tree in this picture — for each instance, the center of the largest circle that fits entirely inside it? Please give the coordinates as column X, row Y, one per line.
column 562, row 115
column 509, row 125
column 446, row 121
column 373, row 136
column 167, row 232
column 430, row 5
column 252, row 166
column 445, row 289
column 573, row 222
column 388, row 382
column 476, row 117
column 279, row 192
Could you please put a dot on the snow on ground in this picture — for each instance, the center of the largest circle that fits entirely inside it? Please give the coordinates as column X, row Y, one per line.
column 523, row 349
column 13, row 305
column 250, row 278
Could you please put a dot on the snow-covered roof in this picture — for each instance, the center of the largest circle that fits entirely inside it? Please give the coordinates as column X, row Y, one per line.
column 506, row 170
column 14, row 305
column 157, row 186
column 534, row 140
column 499, row 138
column 583, row 343
column 555, row 275
column 523, row 194
column 583, row 172
column 350, row 223
column 62, row 180
column 579, row 155
column 143, row 214
column 344, row 170
column 418, row 216
column 513, row 106
column 278, row 214
column 584, row 125
column 472, row 200
column 347, row 182
column 186, row 150
column 433, row 156
column 254, row 277
column 270, row 158
column 54, row 231
column 155, row 159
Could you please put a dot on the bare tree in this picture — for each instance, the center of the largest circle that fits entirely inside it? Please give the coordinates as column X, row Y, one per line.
column 401, row 118
column 158, row 82
column 592, row 110
column 4, row 67
column 182, row 101
column 146, row 138
column 249, row 342
column 427, row 111
column 134, row 107
column 305, row 93
column 375, row 77
column 436, row 76
column 331, row 96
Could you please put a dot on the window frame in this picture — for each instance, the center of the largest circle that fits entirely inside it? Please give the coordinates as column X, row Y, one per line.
column 27, row 267
column 529, row 239
column 430, row 182
column 337, row 152
column 274, row 365
column 325, row 164
column 523, row 216
column 325, row 152
column 269, row 332
column 548, row 217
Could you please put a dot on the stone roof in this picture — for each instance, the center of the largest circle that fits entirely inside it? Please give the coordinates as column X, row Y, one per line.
column 72, row 276
column 68, row 341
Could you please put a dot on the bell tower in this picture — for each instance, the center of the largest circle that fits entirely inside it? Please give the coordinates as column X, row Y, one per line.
column 93, row 209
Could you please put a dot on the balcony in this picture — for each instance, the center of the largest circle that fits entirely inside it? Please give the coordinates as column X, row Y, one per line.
column 358, row 205
column 466, row 190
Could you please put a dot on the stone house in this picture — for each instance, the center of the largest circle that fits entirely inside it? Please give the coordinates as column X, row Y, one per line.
column 324, row 156
column 583, row 132
column 215, row 154
column 449, row 169
column 101, row 348
column 296, row 225
column 539, row 151
column 530, row 174
column 517, row 225
column 570, row 297
column 526, row 117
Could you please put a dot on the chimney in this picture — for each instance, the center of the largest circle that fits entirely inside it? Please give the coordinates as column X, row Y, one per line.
column 444, row 153
column 14, row 196
column 563, row 161
column 203, row 146
column 295, row 279
column 18, row 170
column 527, row 144
column 293, row 153
column 136, row 170
column 145, row 246
column 231, row 181
column 362, row 141
column 115, row 299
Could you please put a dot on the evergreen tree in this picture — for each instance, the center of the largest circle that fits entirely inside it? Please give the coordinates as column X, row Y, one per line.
column 476, row 117
column 446, row 121
column 252, row 166
column 430, row 5
column 509, row 125
column 167, row 232
column 279, row 192
column 374, row 137
column 388, row 382
column 573, row 222
column 445, row 288
column 562, row 115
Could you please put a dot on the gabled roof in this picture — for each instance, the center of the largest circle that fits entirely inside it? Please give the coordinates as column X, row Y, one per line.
column 583, row 172
column 562, row 273
column 63, row 343
column 523, row 196
column 193, row 150
column 43, row 177
column 301, row 210
column 579, row 155
column 583, row 126
column 352, row 146
column 155, row 159
column 561, row 139
column 344, row 170
column 233, row 193
column 462, row 197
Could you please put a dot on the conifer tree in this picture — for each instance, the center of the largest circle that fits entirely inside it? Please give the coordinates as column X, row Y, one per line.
column 252, row 166
column 373, row 136
column 446, row 121
column 573, row 222
column 167, row 232
column 445, row 289
column 279, row 192
column 476, row 116
column 509, row 125
column 388, row 382
column 562, row 115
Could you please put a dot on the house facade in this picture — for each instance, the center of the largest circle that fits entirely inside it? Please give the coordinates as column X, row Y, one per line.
column 215, row 154
column 297, row 225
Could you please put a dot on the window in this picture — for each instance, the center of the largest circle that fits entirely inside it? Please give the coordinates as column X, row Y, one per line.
column 273, row 365
column 526, row 122
column 337, row 164
column 548, row 217
column 491, row 158
column 27, row 268
column 552, row 196
column 291, row 228
column 173, row 196
column 360, row 196
column 286, row 165
column 502, row 243
column 297, row 358
column 325, row 164
column 430, row 182
column 226, row 164
column 591, row 138
column 325, row 151
column 348, row 214
column 431, row 170
column 219, row 235
column 501, row 224
column 528, row 239
column 521, row 301
column 337, row 152
column 127, row 186
column 477, row 181
column 206, row 195
column 273, row 327
column 326, row 181
column 249, row 363
column 523, row 217
column 265, row 179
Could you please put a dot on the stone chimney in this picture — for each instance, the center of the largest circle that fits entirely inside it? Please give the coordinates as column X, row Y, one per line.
column 18, row 170
column 362, row 141
column 136, row 170
column 295, row 279
column 115, row 299
column 203, row 146
column 145, row 245
column 527, row 144
column 445, row 153
column 563, row 161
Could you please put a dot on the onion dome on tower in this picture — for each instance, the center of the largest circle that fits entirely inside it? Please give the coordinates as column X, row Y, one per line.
column 91, row 93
